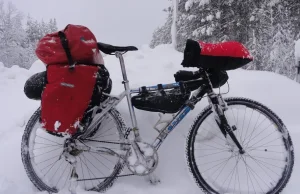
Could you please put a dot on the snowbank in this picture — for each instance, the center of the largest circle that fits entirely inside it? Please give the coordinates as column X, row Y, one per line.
column 37, row 66
column 144, row 67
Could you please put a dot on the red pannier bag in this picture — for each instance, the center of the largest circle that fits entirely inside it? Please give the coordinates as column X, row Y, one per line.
column 220, row 56
column 72, row 58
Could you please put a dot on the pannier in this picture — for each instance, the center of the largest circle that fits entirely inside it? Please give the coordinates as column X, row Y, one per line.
column 73, row 82
column 35, row 85
column 164, row 101
column 219, row 56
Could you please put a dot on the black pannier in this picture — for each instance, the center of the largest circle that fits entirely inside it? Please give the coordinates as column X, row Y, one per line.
column 35, row 85
column 164, row 101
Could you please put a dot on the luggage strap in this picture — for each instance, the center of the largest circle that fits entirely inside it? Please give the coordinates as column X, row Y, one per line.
column 65, row 45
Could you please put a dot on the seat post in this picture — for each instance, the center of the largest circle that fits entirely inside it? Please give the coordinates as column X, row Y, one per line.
column 120, row 57
column 127, row 89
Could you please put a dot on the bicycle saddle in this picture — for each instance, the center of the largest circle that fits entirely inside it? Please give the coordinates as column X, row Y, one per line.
column 109, row 49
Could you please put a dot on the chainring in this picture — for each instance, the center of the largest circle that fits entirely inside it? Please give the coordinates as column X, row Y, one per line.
column 142, row 159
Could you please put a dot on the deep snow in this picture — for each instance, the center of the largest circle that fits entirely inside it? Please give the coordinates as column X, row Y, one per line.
column 144, row 67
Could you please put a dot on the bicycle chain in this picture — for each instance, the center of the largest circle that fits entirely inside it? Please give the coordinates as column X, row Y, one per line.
column 106, row 142
column 125, row 175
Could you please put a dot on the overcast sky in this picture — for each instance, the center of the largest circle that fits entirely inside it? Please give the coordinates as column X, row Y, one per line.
column 122, row 22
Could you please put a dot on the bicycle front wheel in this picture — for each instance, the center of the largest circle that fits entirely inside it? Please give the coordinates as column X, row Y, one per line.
column 216, row 163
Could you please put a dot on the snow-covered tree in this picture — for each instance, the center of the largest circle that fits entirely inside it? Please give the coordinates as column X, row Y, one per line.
column 255, row 23
column 52, row 26
column 36, row 30
column 17, row 44
column 12, row 36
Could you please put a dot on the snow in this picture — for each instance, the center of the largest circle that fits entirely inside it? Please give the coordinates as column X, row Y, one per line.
column 218, row 15
column 164, row 120
column 196, row 32
column 209, row 17
column 297, row 50
column 191, row 17
column 203, row 2
column 209, row 30
column 76, row 124
column 1, row 65
column 37, row 66
column 144, row 67
column 91, row 41
column 273, row 2
column 57, row 124
column 190, row 3
column 52, row 40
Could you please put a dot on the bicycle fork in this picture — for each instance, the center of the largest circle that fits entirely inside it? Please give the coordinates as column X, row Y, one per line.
column 219, row 107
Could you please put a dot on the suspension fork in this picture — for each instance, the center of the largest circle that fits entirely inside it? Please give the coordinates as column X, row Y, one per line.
column 219, row 106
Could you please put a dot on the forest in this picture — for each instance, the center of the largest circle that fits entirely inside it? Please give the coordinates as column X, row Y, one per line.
column 19, row 35
column 267, row 28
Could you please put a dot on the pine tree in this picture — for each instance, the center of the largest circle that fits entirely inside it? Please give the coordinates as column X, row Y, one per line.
column 13, row 51
column 263, row 26
column 162, row 34
column 17, row 44
column 52, row 26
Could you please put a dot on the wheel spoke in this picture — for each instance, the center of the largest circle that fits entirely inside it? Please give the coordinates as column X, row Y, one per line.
column 259, row 169
column 47, row 165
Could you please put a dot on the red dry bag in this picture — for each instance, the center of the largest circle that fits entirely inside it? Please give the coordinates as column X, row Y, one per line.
column 72, row 58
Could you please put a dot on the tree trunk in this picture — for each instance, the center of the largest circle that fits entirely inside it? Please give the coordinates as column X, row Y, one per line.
column 298, row 73
column 174, row 27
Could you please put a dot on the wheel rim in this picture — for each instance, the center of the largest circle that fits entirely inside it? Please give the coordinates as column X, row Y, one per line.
column 52, row 172
column 224, row 169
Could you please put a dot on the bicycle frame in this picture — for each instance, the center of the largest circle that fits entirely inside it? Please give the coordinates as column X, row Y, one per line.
column 205, row 87
column 113, row 101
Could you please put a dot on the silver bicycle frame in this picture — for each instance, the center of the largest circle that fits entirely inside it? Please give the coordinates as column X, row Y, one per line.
column 127, row 90
column 113, row 101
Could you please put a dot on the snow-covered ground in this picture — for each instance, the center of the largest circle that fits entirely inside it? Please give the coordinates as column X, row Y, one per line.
column 144, row 67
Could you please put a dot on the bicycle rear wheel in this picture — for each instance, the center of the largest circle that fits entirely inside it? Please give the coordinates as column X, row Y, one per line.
column 217, row 165
column 48, row 171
